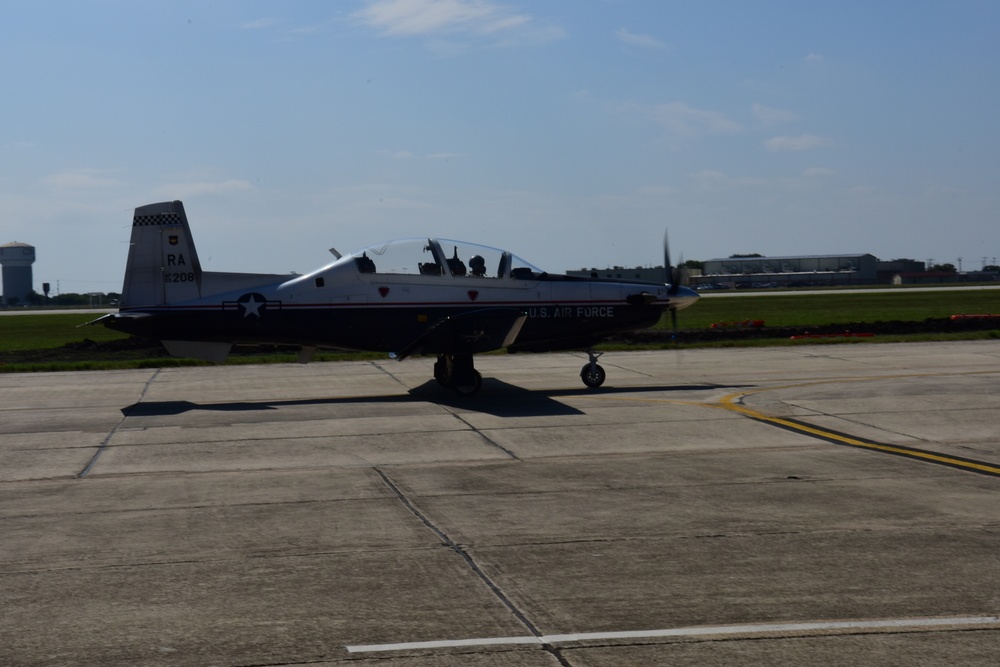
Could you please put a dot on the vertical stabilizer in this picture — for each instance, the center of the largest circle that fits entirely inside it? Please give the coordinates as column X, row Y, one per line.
column 163, row 266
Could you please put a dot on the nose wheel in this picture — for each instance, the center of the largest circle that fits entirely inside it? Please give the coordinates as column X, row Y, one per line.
column 592, row 373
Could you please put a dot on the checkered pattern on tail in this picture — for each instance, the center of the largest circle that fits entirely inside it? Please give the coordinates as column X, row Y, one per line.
column 159, row 219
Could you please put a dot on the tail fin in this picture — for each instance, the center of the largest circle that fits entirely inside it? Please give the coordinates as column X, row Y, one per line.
column 163, row 265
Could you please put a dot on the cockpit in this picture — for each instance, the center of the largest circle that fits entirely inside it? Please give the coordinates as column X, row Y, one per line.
column 444, row 258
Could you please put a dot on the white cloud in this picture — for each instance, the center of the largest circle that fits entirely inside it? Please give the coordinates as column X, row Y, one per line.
column 814, row 57
column 864, row 190
column 258, row 24
column 707, row 178
column 644, row 41
column 771, row 115
column 308, row 30
column 936, row 191
column 80, row 179
column 188, row 189
column 710, row 179
column 424, row 17
column 403, row 154
column 800, row 143
column 682, row 120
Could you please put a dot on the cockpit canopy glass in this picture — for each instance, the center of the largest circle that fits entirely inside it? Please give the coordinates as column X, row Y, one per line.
column 442, row 257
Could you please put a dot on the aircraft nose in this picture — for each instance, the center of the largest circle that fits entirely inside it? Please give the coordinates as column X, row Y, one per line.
column 684, row 297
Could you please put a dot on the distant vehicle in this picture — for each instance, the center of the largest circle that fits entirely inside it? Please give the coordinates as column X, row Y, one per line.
column 428, row 296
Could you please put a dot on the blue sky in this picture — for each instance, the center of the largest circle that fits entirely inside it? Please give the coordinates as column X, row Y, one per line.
column 571, row 133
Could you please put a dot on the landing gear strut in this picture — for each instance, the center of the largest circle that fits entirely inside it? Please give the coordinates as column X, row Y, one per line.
column 592, row 373
column 456, row 372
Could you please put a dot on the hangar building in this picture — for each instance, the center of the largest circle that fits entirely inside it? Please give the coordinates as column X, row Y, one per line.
column 794, row 271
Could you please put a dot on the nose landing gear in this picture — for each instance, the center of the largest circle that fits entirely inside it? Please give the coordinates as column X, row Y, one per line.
column 592, row 373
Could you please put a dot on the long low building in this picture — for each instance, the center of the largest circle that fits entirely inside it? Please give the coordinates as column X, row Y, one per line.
column 797, row 271
column 761, row 271
column 800, row 270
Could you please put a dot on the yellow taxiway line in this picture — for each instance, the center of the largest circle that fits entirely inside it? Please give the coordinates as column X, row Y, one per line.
column 731, row 402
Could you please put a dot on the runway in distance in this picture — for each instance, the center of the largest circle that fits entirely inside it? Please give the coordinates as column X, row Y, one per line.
column 417, row 296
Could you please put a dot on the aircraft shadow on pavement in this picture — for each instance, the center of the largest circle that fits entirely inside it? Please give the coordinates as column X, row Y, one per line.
column 497, row 398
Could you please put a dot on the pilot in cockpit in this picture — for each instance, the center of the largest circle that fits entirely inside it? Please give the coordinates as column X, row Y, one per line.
column 478, row 266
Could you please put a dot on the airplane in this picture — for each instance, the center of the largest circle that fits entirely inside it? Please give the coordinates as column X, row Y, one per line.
column 416, row 296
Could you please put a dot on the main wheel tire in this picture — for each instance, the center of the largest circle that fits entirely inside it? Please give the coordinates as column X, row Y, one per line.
column 470, row 389
column 594, row 376
column 441, row 372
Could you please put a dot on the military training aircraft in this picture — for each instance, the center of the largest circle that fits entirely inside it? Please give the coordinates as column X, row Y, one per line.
column 421, row 296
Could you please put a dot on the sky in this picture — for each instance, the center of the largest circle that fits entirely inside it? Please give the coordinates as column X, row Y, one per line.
column 571, row 133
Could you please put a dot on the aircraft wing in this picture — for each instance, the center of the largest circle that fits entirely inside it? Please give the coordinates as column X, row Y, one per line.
column 468, row 333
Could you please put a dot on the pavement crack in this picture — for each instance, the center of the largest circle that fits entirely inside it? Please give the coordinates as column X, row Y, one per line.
column 125, row 415
column 490, row 441
column 473, row 565
column 389, row 373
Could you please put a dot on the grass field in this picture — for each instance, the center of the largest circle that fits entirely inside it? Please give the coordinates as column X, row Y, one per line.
column 47, row 342
column 42, row 332
column 815, row 310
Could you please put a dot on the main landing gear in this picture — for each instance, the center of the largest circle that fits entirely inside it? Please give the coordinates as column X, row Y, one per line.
column 456, row 372
column 592, row 373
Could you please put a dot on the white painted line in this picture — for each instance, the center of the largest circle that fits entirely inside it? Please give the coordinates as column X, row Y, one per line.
column 445, row 643
column 685, row 632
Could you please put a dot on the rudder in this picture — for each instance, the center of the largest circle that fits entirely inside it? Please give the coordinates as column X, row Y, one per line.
column 163, row 266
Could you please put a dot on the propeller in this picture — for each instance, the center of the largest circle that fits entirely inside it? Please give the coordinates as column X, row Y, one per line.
column 671, row 276
column 671, row 273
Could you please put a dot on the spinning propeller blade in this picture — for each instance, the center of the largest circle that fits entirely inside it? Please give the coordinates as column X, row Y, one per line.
column 671, row 274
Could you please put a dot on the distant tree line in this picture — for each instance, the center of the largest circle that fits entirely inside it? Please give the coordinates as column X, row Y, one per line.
column 66, row 299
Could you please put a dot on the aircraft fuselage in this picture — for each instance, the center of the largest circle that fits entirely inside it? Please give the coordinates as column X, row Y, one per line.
column 386, row 314
column 412, row 296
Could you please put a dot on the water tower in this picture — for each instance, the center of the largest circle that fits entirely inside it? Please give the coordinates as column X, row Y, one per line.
column 16, row 259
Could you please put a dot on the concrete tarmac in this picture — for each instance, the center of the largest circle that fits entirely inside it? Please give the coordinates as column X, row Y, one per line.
column 834, row 504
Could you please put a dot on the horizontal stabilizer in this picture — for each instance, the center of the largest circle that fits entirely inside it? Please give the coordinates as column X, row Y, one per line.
column 99, row 320
column 107, row 320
